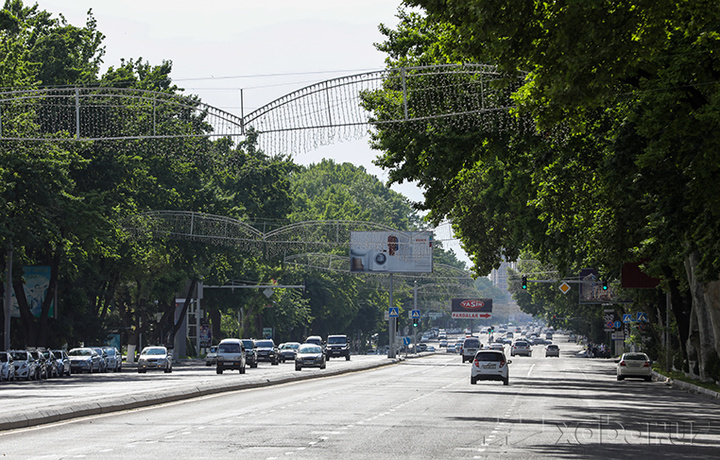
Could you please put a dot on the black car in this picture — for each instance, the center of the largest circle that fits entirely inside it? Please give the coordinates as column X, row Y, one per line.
column 337, row 346
column 267, row 351
column 251, row 357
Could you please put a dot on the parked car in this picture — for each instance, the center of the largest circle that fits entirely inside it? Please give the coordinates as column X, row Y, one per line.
column 155, row 358
column 490, row 365
column 521, row 347
column 114, row 359
column 25, row 365
column 231, row 355
column 337, row 345
column 52, row 366
column 84, row 360
column 634, row 365
column 211, row 357
column 251, row 357
column 552, row 350
column 267, row 351
column 7, row 366
column 470, row 346
column 63, row 362
column 287, row 351
column 309, row 355
column 42, row 367
column 103, row 358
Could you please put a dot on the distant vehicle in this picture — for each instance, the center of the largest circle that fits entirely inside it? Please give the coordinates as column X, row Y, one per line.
column 443, row 343
column 211, row 357
column 84, row 360
column 450, row 348
column 309, row 355
column 470, row 346
column 103, row 358
column 251, row 358
column 7, row 366
column 316, row 339
column 572, row 338
column 552, row 350
column 25, row 365
column 267, row 351
column 287, row 351
column 114, row 359
column 490, row 365
column 442, row 335
column 63, row 362
column 337, row 345
column 634, row 365
column 43, row 366
column 496, row 346
column 155, row 358
column 231, row 355
column 521, row 347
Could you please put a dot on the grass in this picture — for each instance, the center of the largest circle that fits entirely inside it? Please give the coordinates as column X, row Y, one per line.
column 675, row 375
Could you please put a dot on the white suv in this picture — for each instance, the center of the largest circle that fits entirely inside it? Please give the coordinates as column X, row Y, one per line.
column 470, row 346
column 490, row 365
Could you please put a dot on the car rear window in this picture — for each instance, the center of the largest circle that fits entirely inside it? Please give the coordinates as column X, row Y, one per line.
column 636, row 357
column 471, row 343
column 231, row 347
column 488, row 356
column 521, row 344
column 264, row 344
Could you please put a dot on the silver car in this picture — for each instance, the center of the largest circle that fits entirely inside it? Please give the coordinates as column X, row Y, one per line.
column 84, row 360
column 155, row 358
column 25, row 365
column 114, row 359
column 309, row 355
column 7, row 366
column 63, row 362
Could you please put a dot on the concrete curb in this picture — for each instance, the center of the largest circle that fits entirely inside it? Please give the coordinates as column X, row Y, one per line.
column 689, row 387
column 52, row 414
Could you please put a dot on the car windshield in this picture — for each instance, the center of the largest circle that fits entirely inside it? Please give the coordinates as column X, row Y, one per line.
column 309, row 348
column 471, row 343
column 485, row 356
column 80, row 352
column 230, row 347
column 636, row 357
column 337, row 339
column 290, row 346
column 521, row 344
column 153, row 351
column 264, row 344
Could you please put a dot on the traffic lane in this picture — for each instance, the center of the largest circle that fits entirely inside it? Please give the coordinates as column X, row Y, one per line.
column 365, row 414
column 575, row 408
column 24, row 399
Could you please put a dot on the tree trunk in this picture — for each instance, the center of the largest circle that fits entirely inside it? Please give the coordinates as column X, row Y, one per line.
column 186, row 305
column 47, row 302
column 704, row 334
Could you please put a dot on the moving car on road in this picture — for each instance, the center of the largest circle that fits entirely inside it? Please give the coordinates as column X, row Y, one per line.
column 155, row 358
column 211, row 357
column 231, row 355
column 337, row 345
column 309, row 355
column 521, row 347
column 634, row 365
column 470, row 346
column 267, row 351
column 287, row 351
column 490, row 365
column 251, row 357
column 552, row 350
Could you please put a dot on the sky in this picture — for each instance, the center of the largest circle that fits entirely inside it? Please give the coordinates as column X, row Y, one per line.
column 265, row 48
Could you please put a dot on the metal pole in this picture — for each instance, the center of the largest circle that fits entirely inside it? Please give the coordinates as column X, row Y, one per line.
column 77, row 113
column 667, row 330
column 415, row 348
column 393, row 323
column 8, row 296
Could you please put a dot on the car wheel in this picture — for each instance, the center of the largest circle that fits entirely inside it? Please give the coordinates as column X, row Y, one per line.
column 473, row 380
column 620, row 377
column 219, row 370
column 141, row 371
column 648, row 378
column 274, row 363
column 323, row 366
column 327, row 358
column 242, row 370
column 347, row 357
column 506, row 381
column 298, row 368
column 253, row 365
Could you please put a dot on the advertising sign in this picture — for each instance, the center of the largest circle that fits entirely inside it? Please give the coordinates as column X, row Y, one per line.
column 472, row 308
column 36, row 282
column 391, row 252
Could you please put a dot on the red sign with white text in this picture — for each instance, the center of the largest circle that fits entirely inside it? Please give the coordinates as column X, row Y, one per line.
column 472, row 308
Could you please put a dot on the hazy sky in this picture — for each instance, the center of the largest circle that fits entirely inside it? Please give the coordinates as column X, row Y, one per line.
column 266, row 48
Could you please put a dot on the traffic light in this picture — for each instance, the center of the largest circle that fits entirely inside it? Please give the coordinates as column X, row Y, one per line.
column 604, row 286
column 416, row 322
column 524, row 282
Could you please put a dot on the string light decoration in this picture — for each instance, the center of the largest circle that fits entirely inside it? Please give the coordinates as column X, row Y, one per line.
column 461, row 97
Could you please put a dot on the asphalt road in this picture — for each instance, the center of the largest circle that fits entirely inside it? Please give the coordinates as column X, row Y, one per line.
column 421, row 408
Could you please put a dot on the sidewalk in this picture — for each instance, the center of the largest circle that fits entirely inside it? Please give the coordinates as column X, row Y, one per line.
column 45, row 402
column 689, row 387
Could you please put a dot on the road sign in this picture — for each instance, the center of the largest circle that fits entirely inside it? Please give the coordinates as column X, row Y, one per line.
column 642, row 317
column 618, row 335
column 609, row 325
column 406, row 341
column 484, row 315
column 564, row 287
column 618, row 324
column 393, row 312
column 627, row 318
column 415, row 314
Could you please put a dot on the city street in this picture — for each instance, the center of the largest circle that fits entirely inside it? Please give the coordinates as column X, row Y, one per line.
column 421, row 408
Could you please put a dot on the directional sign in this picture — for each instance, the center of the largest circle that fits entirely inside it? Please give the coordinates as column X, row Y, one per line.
column 415, row 314
column 642, row 317
column 627, row 318
column 484, row 315
column 618, row 324
column 406, row 341
column 393, row 312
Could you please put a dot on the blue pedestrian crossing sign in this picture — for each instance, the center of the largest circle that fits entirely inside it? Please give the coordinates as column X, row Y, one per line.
column 415, row 314
column 393, row 312
column 642, row 317
column 406, row 341
column 627, row 318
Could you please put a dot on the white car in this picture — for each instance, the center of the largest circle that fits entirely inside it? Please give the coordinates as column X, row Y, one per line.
column 490, row 365
column 634, row 365
column 552, row 350
column 155, row 358
column 7, row 366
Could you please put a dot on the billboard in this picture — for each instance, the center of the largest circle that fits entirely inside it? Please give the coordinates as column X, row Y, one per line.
column 36, row 281
column 391, row 252
column 472, row 308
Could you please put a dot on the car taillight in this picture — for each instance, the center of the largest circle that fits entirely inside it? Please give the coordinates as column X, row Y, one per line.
column 502, row 363
column 647, row 364
column 477, row 362
column 622, row 363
